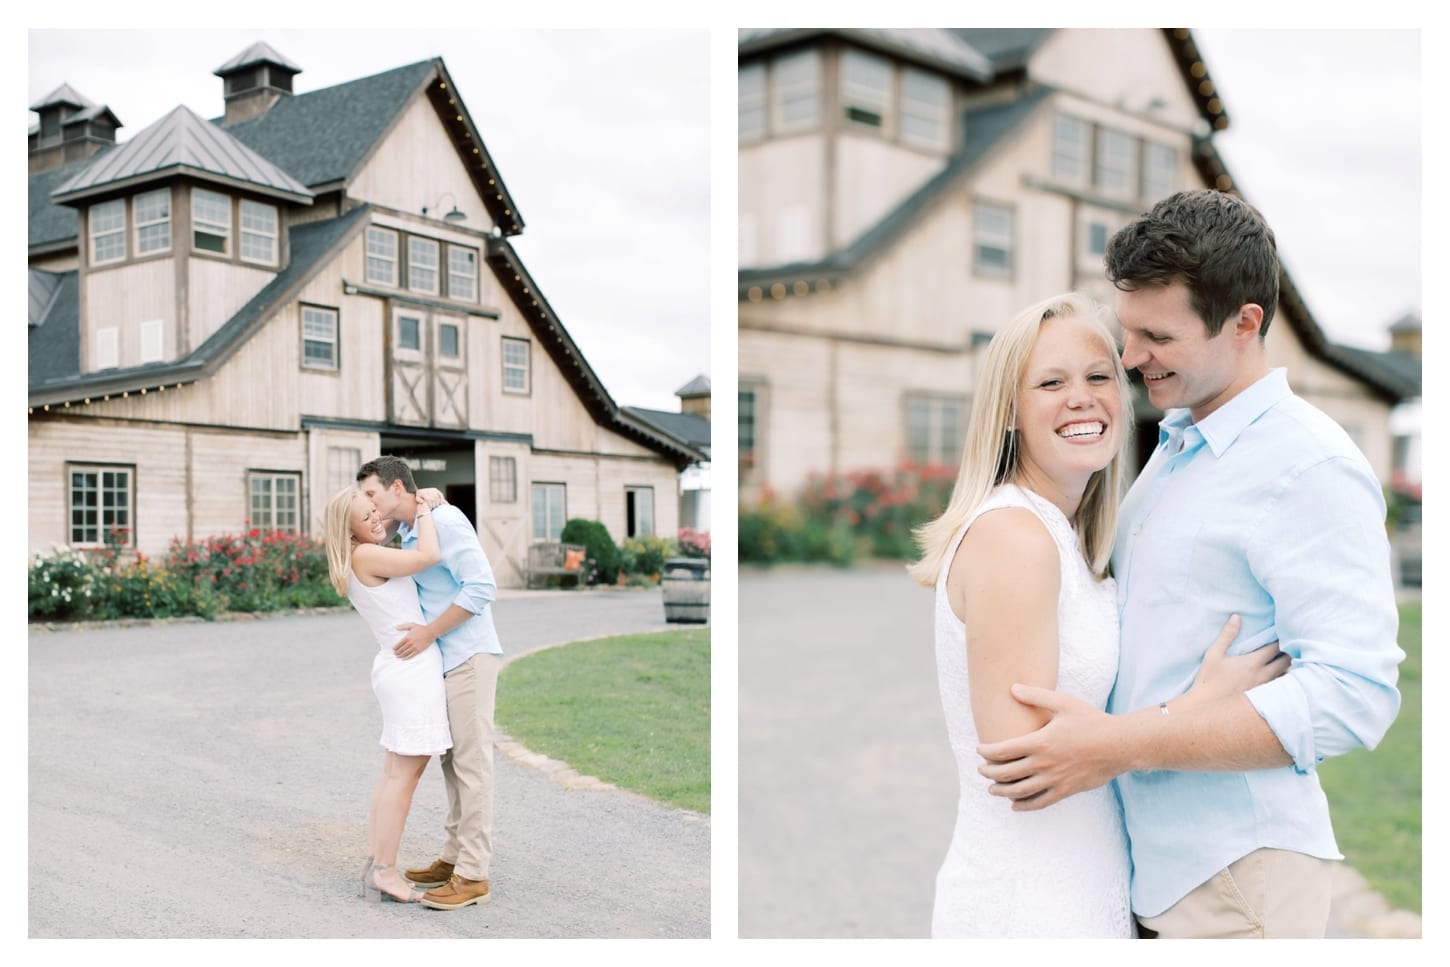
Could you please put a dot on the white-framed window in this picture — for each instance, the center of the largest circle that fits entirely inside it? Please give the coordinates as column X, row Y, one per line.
column 1116, row 162
column 449, row 345
column 934, row 429
column 1071, row 147
column 108, row 231
column 748, row 421
column 1160, row 171
column 408, row 334
column 107, row 348
column 796, row 101
column 462, row 273
column 153, row 342
column 503, row 480
column 382, row 260
column 423, row 265
column 259, row 232
column 865, row 89
column 272, row 503
column 342, row 465
column 750, row 83
column 639, row 511
column 152, row 210
column 211, row 221
column 101, row 502
column 548, row 511
column 1094, row 239
column 515, row 365
column 992, row 239
column 319, row 338
column 926, row 101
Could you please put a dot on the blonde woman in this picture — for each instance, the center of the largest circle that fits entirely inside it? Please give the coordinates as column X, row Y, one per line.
column 378, row 581
column 1019, row 562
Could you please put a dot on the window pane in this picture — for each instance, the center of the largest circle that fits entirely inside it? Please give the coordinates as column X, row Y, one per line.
column 502, row 480
column 1070, row 149
column 1115, row 161
column 462, row 273
column 408, row 333
column 153, row 221
column 745, row 411
column 319, row 338
column 798, row 88
column 382, row 260
column 865, row 88
column 423, row 264
column 925, row 104
column 752, row 100
column 259, row 231
column 108, row 231
column 448, row 340
column 992, row 234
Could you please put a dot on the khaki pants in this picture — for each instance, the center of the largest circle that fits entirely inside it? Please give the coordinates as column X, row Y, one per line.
column 468, row 766
column 1268, row 894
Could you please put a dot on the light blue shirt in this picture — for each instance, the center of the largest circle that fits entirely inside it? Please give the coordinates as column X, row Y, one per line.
column 463, row 577
column 1269, row 511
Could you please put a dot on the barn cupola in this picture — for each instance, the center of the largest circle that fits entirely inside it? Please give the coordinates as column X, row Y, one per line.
column 254, row 80
column 71, row 128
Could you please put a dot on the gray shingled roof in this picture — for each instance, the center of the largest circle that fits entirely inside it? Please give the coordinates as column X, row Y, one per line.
column 1005, row 47
column 982, row 128
column 323, row 137
column 183, row 142
column 54, row 339
column 52, row 224
column 1398, row 373
column 54, row 355
column 690, row 428
column 929, row 46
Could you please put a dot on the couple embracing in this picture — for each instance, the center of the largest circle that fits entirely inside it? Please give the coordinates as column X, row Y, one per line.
column 427, row 604
column 1137, row 696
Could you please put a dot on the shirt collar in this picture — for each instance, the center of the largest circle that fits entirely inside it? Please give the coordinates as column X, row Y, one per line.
column 1222, row 427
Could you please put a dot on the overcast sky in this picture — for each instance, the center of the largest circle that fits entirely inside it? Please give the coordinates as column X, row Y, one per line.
column 601, row 137
column 1324, row 139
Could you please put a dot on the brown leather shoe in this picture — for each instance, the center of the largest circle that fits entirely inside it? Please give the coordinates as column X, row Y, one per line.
column 434, row 874
column 457, row 892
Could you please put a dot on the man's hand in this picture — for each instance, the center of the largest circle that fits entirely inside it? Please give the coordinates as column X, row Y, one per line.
column 415, row 639
column 1077, row 750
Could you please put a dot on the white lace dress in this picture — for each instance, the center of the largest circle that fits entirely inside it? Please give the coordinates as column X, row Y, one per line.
column 1056, row 872
column 410, row 691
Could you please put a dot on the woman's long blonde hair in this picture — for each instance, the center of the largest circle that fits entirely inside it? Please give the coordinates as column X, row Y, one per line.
column 337, row 536
column 991, row 456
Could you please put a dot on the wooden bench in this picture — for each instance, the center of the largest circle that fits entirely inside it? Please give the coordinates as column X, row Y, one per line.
column 549, row 558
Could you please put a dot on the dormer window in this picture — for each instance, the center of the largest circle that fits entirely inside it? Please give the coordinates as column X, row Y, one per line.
column 866, row 89
column 153, row 221
column 211, row 221
column 382, row 260
column 259, row 232
column 108, row 231
column 423, row 265
column 797, row 101
column 925, row 109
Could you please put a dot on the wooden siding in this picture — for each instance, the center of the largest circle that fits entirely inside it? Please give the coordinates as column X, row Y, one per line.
column 216, row 290
column 124, row 297
column 1129, row 68
column 168, row 460
column 871, row 178
column 415, row 165
column 776, row 178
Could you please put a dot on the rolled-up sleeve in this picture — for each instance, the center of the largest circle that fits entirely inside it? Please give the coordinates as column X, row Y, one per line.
column 465, row 560
column 1322, row 554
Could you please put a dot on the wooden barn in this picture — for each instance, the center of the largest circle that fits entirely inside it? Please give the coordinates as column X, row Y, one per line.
column 229, row 315
column 903, row 193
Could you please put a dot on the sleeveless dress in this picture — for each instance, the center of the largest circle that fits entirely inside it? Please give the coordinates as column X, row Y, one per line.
column 410, row 691
column 1057, row 872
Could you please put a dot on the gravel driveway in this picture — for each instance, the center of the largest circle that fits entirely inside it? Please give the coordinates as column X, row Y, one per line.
column 211, row 780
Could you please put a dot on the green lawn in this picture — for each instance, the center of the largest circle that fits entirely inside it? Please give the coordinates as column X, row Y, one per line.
column 1374, row 796
column 633, row 710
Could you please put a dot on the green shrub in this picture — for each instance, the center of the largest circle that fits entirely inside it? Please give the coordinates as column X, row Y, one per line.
column 61, row 586
column 602, row 556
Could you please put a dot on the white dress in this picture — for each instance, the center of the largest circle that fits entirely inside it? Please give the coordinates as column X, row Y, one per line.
column 1057, row 872
column 410, row 691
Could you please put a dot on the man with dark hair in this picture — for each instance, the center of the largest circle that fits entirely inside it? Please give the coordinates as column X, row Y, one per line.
column 1254, row 504
column 455, row 595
